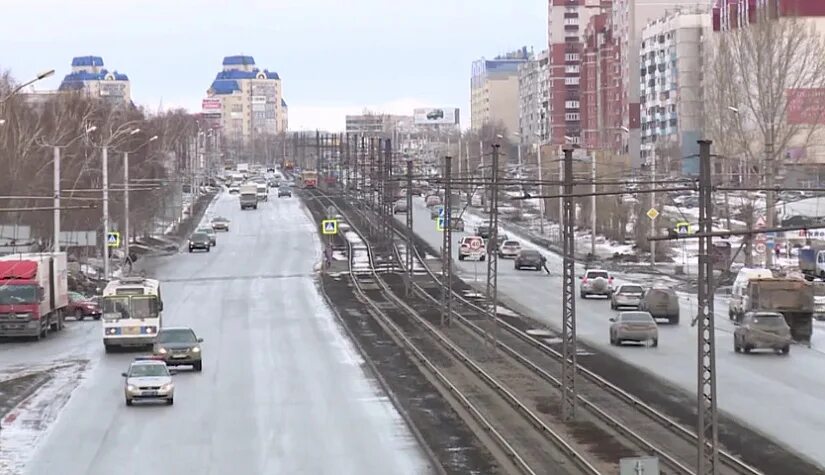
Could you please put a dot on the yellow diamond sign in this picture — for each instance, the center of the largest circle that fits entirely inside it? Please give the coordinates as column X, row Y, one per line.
column 652, row 213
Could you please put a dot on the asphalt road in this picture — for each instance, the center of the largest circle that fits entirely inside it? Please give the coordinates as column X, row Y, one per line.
column 780, row 396
column 282, row 390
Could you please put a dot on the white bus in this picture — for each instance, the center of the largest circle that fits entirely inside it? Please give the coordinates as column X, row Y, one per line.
column 131, row 312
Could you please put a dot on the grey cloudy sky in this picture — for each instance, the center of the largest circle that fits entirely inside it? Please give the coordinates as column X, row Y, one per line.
column 335, row 57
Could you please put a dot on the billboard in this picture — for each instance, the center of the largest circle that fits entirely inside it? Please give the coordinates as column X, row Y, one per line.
column 211, row 105
column 436, row 116
column 112, row 89
column 806, row 106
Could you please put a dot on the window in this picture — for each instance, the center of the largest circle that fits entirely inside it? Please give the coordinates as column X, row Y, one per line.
column 572, row 69
column 571, row 104
column 571, row 81
column 572, row 116
column 571, row 56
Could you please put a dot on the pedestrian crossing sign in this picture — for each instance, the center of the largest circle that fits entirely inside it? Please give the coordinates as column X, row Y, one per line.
column 439, row 224
column 113, row 239
column 683, row 228
column 441, row 211
column 329, row 226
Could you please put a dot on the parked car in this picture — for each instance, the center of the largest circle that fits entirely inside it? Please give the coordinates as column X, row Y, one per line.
column 529, row 258
column 627, row 295
column 662, row 303
column 509, row 249
column 762, row 330
column 81, row 307
column 634, row 326
column 596, row 282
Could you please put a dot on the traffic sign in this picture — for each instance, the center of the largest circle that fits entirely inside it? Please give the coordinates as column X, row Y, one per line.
column 439, row 224
column 441, row 211
column 113, row 239
column 683, row 228
column 652, row 213
column 475, row 244
column 760, row 248
column 329, row 226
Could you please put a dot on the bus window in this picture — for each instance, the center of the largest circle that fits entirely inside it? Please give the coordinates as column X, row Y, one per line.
column 116, row 307
column 144, row 307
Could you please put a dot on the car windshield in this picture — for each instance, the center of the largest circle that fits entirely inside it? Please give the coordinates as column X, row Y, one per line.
column 819, row 289
column 200, row 237
column 769, row 320
column 643, row 317
column 219, row 220
column 148, row 371
column 631, row 289
column 511, row 243
column 177, row 335
column 130, row 307
column 595, row 274
column 18, row 294
column 530, row 254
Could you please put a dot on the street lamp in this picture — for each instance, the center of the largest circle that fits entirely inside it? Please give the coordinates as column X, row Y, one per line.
column 126, row 247
column 56, row 184
column 541, row 185
column 42, row 75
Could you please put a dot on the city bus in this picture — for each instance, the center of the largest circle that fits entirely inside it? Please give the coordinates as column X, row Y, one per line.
column 131, row 312
column 309, row 178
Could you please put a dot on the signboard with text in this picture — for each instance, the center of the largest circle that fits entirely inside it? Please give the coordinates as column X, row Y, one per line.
column 436, row 116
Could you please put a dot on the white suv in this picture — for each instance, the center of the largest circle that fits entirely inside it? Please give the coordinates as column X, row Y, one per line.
column 596, row 282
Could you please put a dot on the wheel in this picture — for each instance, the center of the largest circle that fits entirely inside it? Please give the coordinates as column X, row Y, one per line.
column 483, row 258
column 208, row 249
column 612, row 340
column 128, row 402
column 736, row 348
column 190, row 249
column 655, row 343
column 97, row 317
column 582, row 295
column 460, row 257
column 674, row 320
column 786, row 349
column 612, row 306
column 108, row 348
column 170, row 401
column 78, row 314
column 198, row 366
column 746, row 348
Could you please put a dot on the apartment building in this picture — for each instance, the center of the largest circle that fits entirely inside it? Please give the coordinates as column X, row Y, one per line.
column 90, row 76
column 534, row 99
column 494, row 91
column 671, row 98
column 246, row 101
column 601, row 113
column 379, row 125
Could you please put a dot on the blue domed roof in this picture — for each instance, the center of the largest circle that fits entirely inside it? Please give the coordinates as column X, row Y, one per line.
column 75, row 80
column 225, row 86
column 91, row 61
column 238, row 60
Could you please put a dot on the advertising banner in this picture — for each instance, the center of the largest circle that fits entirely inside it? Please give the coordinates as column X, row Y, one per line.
column 436, row 116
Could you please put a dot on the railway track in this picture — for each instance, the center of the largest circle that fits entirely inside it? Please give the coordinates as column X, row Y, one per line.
column 640, row 428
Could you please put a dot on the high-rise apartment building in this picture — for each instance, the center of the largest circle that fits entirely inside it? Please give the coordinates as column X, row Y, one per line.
column 534, row 99
column 494, row 91
column 90, row 76
column 379, row 125
column 601, row 114
column 566, row 20
column 671, row 98
column 246, row 101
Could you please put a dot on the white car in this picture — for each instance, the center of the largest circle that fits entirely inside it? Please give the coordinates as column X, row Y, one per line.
column 627, row 295
column 148, row 379
column 596, row 282
column 472, row 247
column 634, row 326
column 509, row 249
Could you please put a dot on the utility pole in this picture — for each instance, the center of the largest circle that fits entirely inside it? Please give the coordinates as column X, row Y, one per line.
column 561, row 192
column 125, row 236
column 593, row 210
column 492, row 255
column 56, row 245
column 348, row 171
column 363, row 187
column 318, row 153
column 770, row 196
column 541, row 191
column 105, row 173
column 653, row 206
column 446, row 242
column 568, row 334
column 409, row 256
column 707, row 428
column 389, row 192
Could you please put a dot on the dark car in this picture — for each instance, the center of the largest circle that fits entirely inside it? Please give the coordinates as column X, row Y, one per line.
column 179, row 346
column 661, row 302
column 284, row 191
column 529, row 258
column 81, row 307
column 435, row 114
column 199, row 241
column 483, row 231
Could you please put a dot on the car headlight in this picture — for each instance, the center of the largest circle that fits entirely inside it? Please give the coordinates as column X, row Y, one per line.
column 196, row 349
column 167, row 387
column 191, row 243
column 162, row 351
column 131, row 387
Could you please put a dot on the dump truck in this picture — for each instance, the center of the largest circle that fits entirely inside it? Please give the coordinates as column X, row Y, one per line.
column 34, row 294
column 793, row 298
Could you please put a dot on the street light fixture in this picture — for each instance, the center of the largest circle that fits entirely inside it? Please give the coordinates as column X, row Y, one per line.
column 42, row 75
column 56, row 183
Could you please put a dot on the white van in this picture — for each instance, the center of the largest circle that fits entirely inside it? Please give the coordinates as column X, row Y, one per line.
column 263, row 192
column 740, row 286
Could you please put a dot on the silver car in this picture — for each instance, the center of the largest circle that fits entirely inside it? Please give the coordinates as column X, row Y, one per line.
column 627, row 295
column 762, row 330
column 634, row 326
column 596, row 282
column 148, row 379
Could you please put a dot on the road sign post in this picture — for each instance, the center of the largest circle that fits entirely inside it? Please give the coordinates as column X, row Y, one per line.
column 652, row 213
column 113, row 239
column 329, row 227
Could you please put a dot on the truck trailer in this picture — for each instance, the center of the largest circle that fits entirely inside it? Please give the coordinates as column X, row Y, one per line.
column 34, row 294
column 793, row 298
column 249, row 196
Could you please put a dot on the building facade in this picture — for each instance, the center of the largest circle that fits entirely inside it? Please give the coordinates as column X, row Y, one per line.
column 494, row 91
column 671, row 98
column 379, row 125
column 534, row 100
column 601, row 114
column 246, row 101
column 90, row 76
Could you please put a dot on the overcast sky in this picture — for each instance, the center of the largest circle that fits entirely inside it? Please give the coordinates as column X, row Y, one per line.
column 334, row 57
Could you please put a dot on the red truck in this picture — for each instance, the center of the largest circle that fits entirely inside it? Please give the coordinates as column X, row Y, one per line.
column 34, row 294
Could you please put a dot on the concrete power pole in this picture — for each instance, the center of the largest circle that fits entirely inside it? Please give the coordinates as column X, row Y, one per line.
column 125, row 236
column 492, row 255
column 446, row 247
column 56, row 216
column 770, row 196
column 105, row 177
column 707, row 421
column 568, row 334
column 409, row 256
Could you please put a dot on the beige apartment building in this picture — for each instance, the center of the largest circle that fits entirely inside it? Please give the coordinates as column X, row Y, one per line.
column 90, row 76
column 494, row 91
column 246, row 101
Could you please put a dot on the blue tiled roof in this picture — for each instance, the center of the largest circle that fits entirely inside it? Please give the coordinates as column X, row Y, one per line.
column 238, row 60
column 87, row 61
column 238, row 74
column 225, row 86
column 76, row 79
column 283, row 103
